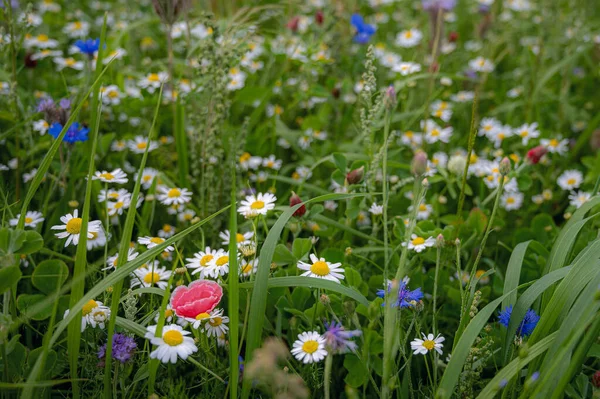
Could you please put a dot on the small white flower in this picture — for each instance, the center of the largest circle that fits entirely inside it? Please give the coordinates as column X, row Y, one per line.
column 153, row 81
column 255, row 205
column 220, row 263
column 216, row 324
column 116, row 176
column 427, row 344
column 241, row 239
column 139, row 144
column 579, row 198
column 527, row 132
column 202, row 263
column 570, row 179
column 111, row 262
column 320, row 268
column 172, row 343
column 248, row 267
column 419, row 244
column 148, row 276
column 41, row 126
column 406, row 68
column 376, row 209
column 409, row 38
column 151, row 242
column 32, row 218
column 481, row 64
column 175, row 195
column 72, row 228
column 511, row 201
column 309, row 347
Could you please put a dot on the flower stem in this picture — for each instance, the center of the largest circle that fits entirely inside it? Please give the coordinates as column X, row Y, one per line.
column 327, row 375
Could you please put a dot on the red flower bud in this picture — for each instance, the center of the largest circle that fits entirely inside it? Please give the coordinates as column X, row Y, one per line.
column 30, row 62
column 452, row 36
column 356, row 175
column 596, row 379
column 295, row 200
column 319, row 17
column 293, row 24
column 335, row 92
column 535, row 154
column 419, row 163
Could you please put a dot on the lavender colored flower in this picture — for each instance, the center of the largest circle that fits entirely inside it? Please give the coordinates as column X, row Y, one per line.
column 364, row 31
column 406, row 297
column 45, row 105
column 527, row 324
column 74, row 133
column 65, row 104
column 436, row 5
column 122, row 348
column 338, row 339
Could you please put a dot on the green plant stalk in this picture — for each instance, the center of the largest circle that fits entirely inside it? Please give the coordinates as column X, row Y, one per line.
column 327, row 375
column 123, row 249
column 234, row 284
column 390, row 315
column 386, row 132
column 470, row 145
column 438, row 261
column 467, row 298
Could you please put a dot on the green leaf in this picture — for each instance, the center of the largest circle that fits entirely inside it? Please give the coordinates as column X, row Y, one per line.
column 283, row 256
column 42, row 311
column 8, row 277
column 49, row 275
column 33, row 242
column 340, row 161
column 300, row 247
column 357, row 372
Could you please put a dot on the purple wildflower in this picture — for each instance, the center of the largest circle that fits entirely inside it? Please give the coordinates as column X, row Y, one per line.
column 338, row 339
column 45, row 105
column 123, row 348
column 436, row 5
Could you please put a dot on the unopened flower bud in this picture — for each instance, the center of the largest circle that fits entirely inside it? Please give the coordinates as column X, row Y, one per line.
column 390, row 98
column 536, row 153
column 348, row 251
column 295, row 200
column 439, row 241
column 273, row 266
column 596, row 379
column 419, row 163
column 293, row 24
column 457, row 164
column 325, row 299
column 425, row 183
column 73, row 203
column 504, row 166
column 524, row 351
column 355, row 176
column 442, row 199
column 319, row 17
column 180, row 270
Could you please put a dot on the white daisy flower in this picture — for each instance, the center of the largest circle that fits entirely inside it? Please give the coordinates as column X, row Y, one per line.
column 579, row 198
column 248, row 267
column 151, row 242
column 409, row 38
column 220, row 263
column 97, row 240
column 556, row 146
column 570, row 179
column 148, row 276
column 423, row 211
column 216, row 324
column 172, row 343
column 511, row 200
column 481, row 64
column 427, row 344
column 77, row 29
column 32, row 218
column 70, row 62
column 419, row 244
column 527, row 132
column 90, row 307
column 240, row 238
column 202, row 263
column 255, row 205
column 376, row 209
column 435, row 133
column 186, row 215
column 40, row 41
column 272, row 163
column 407, row 68
column 148, row 175
column 116, row 176
column 175, row 195
column 166, row 231
column 152, row 81
column 139, row 144
column 41, row 126
column 98, row 316
column 111, row 262
column 320, row 268
column 72, row 228
column 309, row 347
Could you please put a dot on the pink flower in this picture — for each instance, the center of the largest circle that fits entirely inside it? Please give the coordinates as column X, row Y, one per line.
column 201, row 296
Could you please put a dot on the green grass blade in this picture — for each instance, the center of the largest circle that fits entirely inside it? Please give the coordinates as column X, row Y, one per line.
column 234, row 286
column 259, row 293
column 513, row 272
column 312, row 282
column 342, row 227
column 181, row 145
column 123, row 248
column 525, row 302
column 511, row 369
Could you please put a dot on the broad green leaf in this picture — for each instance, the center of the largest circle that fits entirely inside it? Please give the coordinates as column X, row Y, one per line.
column 49, row 275
column 8, row 277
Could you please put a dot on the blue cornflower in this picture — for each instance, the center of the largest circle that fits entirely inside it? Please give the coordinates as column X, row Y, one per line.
column 406, row 297
column 364, row 31
column 527, row 325
column 74, row 133
column 89, row 46
column 338, row 339
column 122, row 348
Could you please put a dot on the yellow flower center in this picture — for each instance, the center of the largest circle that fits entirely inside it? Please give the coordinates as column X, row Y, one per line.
column 524, row 133
column 141, row 145
column 222, row 260
column 94, row 236
column 74, row 226
column 216, row 321
column 77, row 25
column 435, row 132
column 166, row 228
column 168, row 313
column 320, row 268
column 428, row 344
column 257, row 205
column 42, row 38
column 113, row 195
column 205, row 259
column 174, row 193
column 153, row 77
column 247, row 268
column 510, row 200
column 70, row 62
column 245, row 157
column 422, row 208
column 202, row 316
column 152, row 278
column 119, row 205
column 553, row 143
column 310, row 346
column 88, row 307
column 147, row 178
column 571, row 181
column 418, row 241
column 113, row 94
column 173, row 338
column 28, row 220
column 408, row 35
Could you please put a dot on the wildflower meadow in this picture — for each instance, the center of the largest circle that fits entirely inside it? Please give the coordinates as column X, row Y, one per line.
column 300, row 199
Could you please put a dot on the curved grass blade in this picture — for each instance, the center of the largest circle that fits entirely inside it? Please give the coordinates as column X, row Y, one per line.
column 258, row 304
column 312, row 282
